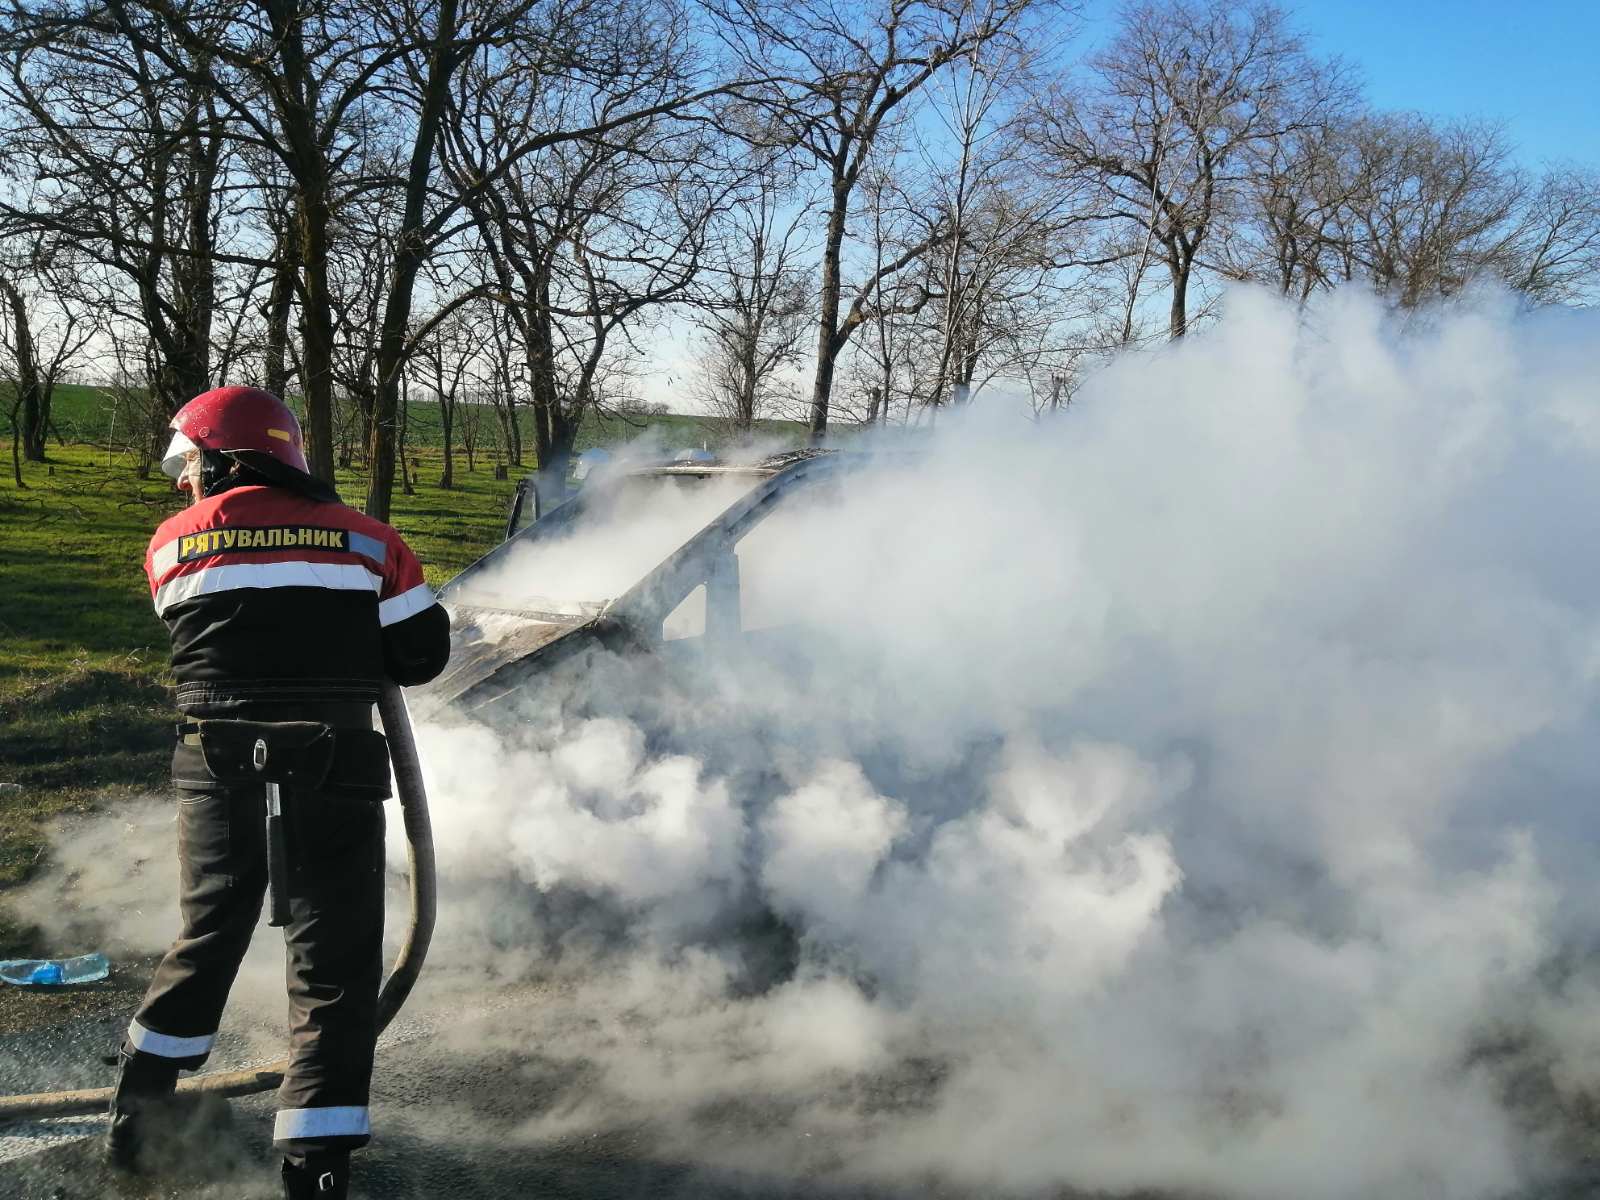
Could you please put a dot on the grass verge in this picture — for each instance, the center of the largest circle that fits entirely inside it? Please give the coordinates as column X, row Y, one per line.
column 85, row 708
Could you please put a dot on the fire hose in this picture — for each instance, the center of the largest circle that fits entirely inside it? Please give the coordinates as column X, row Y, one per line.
column 407, row 964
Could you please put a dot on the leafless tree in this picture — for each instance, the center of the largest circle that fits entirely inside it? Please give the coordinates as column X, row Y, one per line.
column 1428, row 204
column 844, row 75
column 260, row 346
column 42, row 332
column 442, row 362
column 884, row 365
column 589, row 193
column 1298, row 195
column 357, row 279
column 1170, row 115
column 1418, row 208
column 470, row 417
column 973, row 89
column 757, row 304
column 312, row 85
column 312, row 196
column 1552, row 254
column 19, row 368
column 118, row 156
column 1017, row 242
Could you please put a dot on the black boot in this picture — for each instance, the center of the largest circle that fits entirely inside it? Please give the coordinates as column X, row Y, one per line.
column 141, row 1099
column 323, row 1175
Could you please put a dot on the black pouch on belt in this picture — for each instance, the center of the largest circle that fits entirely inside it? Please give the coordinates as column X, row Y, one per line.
column 351, row 764
column 298, row 753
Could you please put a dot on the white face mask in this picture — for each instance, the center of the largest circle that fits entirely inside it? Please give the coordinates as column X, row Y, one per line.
column 174, row 463
column 182, row 463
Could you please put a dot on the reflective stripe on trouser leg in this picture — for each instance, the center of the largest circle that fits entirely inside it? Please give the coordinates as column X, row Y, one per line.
column 335, row 944
column 148, row 1041
column 317, row 1124
column 222, row 876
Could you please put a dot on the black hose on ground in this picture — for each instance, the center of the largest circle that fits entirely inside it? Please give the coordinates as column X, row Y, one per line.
column 407, row 964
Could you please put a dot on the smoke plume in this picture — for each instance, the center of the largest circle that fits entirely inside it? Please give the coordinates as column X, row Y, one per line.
column 1191, row 791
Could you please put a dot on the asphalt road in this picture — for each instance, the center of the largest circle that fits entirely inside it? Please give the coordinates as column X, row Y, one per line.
column 476, row 1094
column 451, row 1121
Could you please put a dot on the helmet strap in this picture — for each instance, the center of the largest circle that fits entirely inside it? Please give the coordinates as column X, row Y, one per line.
column 257, row 466
column 216, row 472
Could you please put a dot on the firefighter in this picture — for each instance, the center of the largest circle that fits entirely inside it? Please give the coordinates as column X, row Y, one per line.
column 287, row 610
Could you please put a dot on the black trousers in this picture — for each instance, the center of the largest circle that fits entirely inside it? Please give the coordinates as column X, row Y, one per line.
column 334, row 942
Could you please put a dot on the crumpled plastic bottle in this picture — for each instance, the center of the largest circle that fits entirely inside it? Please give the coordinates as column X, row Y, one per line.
column 52, row 972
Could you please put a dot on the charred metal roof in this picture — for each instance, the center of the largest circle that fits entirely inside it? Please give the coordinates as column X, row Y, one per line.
column 773, row 464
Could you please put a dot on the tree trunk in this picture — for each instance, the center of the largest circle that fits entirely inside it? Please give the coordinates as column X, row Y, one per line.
column 279, row 301
column 410, row 250
column 828, row 324
column 563, row 435
column 191, row 370
column 1179, row 266
column 34, row 450
column 447, row 418
column 745, row 381
column 968, row 369
column 541, row 372
column 874, row 401
column 407, row 487
column 16, row 443
column 381, row 433
column 155, row 444
column 29, row 397
column 316, row 329
column 312, row 218
column 196, row 271
column 509, row 434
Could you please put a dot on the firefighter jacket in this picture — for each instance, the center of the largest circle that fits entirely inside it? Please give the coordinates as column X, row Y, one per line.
column 277, row 601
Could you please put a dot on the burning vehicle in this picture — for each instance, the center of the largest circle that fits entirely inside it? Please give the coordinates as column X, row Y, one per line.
column 644, row 559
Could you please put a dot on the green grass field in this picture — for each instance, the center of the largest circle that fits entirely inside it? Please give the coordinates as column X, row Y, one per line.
column 82, row 416
column 85, row 715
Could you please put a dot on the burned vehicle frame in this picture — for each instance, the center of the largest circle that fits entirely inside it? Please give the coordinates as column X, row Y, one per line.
column 500, row 641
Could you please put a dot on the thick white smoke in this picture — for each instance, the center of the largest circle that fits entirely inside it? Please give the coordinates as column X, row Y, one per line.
column 1189, row 792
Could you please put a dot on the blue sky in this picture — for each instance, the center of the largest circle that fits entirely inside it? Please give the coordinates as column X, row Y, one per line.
column 1535, row 66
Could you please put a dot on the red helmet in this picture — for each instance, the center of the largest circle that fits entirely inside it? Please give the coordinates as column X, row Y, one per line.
column 233, row 419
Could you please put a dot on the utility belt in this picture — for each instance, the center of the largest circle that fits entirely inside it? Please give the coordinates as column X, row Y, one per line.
column 309, row 756
column 296, row 763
